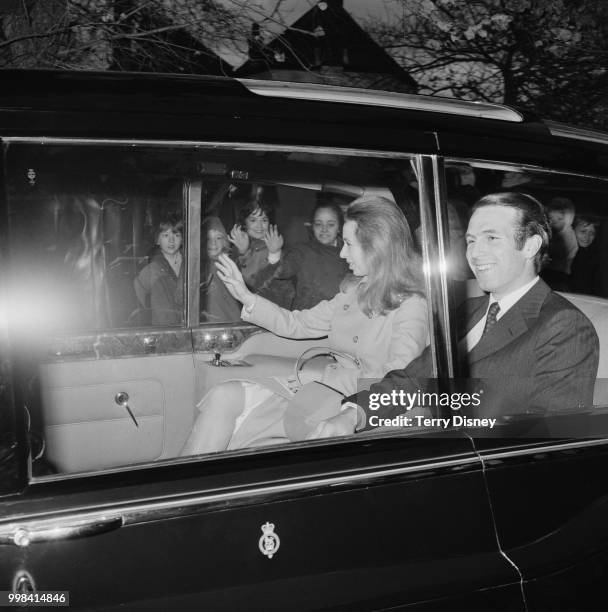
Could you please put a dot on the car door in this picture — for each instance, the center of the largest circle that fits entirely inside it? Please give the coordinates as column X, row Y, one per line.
column 365, row 522
column 103, row 376
column 353, row 527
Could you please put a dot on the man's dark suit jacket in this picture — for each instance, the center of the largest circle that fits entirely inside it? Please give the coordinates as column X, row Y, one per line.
column 541, row 356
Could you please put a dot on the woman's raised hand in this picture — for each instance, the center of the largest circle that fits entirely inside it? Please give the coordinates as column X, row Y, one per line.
column 239, row 238
column 231, row 276
column 273, row 240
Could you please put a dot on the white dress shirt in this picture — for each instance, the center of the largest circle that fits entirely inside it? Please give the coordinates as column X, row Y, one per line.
column 507, row 302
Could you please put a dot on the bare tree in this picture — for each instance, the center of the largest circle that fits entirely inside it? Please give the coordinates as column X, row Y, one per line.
column 547, row 55
column 139, row 35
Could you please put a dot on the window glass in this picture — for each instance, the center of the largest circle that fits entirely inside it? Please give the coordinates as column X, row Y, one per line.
column 576, row 210
column 96, row 236
column 266, row 209
column 313, row 277
column 94, row 227
column 530, row 367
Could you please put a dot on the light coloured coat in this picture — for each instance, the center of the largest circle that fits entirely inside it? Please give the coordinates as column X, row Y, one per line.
column 380, row 343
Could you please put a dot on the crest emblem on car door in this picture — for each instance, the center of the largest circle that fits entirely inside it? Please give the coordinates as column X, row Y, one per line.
column 269, row 542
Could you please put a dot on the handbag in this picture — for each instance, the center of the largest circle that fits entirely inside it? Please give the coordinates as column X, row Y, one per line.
column 314, row 401
column 295, row 408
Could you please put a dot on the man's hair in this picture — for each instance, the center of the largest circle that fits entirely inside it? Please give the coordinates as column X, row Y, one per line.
column 530, row 221
column 395, row 267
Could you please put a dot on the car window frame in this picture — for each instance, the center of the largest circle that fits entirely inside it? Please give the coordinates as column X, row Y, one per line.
column 485, row 163
column 15, row 462
column 427, row 200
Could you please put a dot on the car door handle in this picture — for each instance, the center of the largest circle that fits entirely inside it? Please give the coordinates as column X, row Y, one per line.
column 46, row 531
column 122, row 399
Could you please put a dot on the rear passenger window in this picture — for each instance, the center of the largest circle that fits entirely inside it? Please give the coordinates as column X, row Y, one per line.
column 97, row 236
column 121, row 322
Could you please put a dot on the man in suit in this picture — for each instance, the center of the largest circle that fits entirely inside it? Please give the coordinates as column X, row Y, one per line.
column 531, row 350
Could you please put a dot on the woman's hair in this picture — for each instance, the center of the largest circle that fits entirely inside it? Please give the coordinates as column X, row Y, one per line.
column 387, row 243
column 329, row 206
column 252, row 206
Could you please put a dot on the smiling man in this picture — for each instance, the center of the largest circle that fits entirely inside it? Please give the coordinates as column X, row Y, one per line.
column 532, row 350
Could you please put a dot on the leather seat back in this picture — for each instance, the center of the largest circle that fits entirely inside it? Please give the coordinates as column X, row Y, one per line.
column 596, row 310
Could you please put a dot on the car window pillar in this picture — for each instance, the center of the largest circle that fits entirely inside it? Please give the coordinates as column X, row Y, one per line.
column 433, row 212
column 14, row 446
column 193, row 190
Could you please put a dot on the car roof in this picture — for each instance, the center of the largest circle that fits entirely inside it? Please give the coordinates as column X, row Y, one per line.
column 50, row 85
column 52, row 103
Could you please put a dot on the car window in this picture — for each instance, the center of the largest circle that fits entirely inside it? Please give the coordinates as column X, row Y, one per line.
column 125, row 328
column 573, row 264
column 96, row 236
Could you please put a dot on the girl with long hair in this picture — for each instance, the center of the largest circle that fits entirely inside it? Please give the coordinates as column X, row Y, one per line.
column 379, row 317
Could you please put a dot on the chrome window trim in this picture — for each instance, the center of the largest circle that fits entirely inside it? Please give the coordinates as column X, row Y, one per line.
column 153, row 510
column 448, row 334
column 522, row 167
column 564, row 130
column 488, row 455
column 188, row 503
column 431, row 252
column 235, row 146
column 354, row 95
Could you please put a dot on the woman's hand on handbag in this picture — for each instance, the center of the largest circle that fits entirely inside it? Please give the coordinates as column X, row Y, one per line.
column 231, row 276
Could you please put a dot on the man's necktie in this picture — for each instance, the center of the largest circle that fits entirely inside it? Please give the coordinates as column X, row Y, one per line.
column 491, row 318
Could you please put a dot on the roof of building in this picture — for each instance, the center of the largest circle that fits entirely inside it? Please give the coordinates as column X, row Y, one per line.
column 328, row 44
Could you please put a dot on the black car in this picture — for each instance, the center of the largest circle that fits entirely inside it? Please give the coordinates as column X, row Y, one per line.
column 98, row 395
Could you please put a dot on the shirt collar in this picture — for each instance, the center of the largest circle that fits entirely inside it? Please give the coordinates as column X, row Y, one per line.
column 509, row 300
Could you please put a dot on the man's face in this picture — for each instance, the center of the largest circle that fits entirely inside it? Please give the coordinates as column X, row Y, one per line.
column 497, row 264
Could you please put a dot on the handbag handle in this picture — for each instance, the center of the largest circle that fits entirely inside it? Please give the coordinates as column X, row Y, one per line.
column 317, row 351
